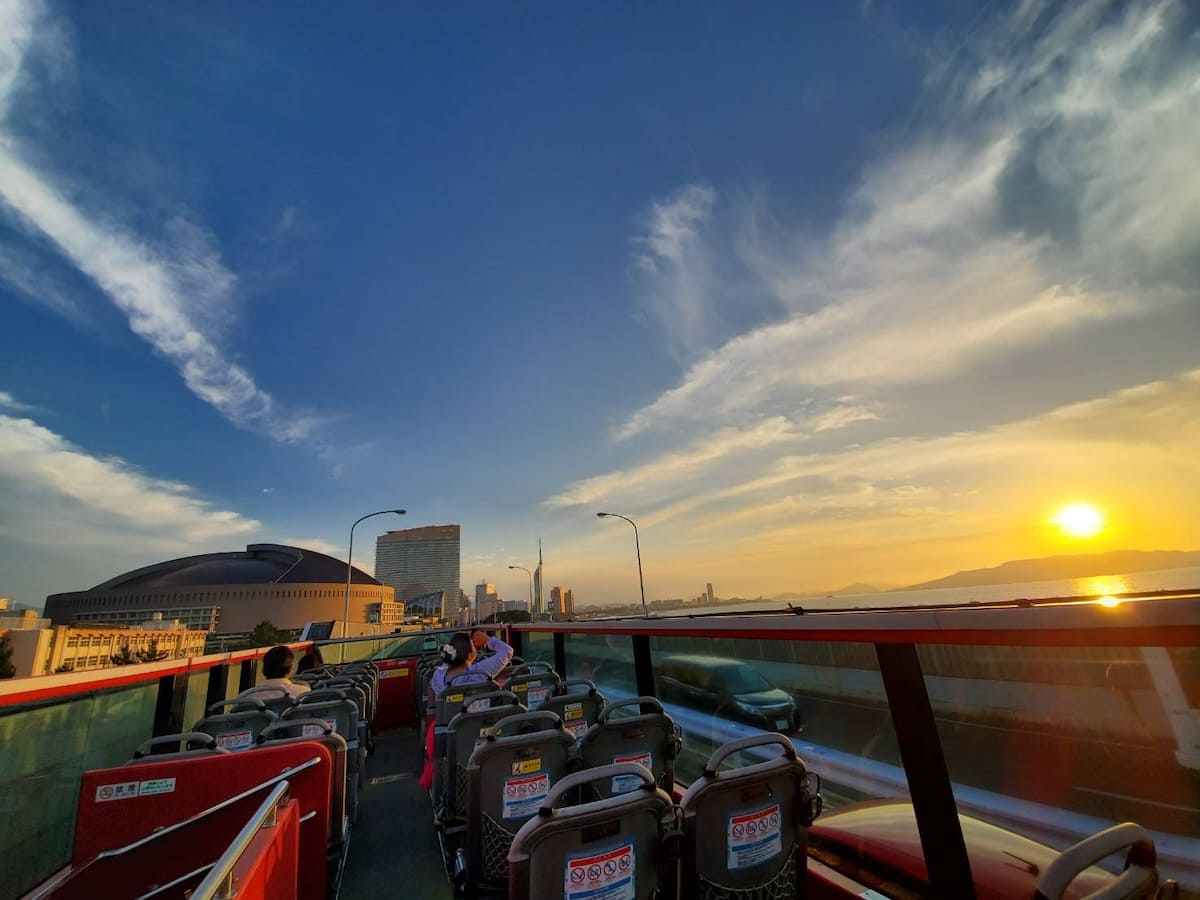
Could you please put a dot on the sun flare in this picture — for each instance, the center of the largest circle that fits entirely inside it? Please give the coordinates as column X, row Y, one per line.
column 1079, row 520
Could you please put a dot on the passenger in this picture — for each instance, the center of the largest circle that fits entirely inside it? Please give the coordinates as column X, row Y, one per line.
column 277, row 667
column 310, row 660
column 460, row 666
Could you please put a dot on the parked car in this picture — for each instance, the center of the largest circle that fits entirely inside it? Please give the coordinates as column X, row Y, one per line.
column 726, row 687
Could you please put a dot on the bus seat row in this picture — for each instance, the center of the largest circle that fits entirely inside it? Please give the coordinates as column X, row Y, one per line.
column 737, row 832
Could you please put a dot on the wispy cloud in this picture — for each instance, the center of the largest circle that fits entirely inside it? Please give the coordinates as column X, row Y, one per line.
column 1054, row 192
column 12, row 404
column 48, row 480
column 175, row 292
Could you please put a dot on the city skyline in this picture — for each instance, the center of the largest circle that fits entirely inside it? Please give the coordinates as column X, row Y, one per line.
column 855, row 293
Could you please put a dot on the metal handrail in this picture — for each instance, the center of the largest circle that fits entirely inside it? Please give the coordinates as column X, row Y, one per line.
column 220, row 876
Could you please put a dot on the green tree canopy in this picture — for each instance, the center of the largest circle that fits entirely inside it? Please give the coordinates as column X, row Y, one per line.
column 265, row 634
column 7, row 669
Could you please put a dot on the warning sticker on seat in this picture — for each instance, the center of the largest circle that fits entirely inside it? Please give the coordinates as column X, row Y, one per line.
column 477, row 706
column 605, row 876
column 122, row 791
column 317, row 730
column 623, row 784
column 753, row 838
column 235, row 740
column 538, row 694
column 572, row 711
column 576, row 729
column 522, row 796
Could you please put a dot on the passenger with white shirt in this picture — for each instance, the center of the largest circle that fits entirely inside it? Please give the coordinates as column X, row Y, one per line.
column 277, row 667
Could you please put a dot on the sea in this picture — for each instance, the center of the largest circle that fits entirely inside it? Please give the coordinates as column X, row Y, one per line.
column 1093, row 585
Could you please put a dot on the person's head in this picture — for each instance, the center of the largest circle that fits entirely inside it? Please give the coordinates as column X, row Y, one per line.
column 458, row 651
column 309, row 661
column 277, row 662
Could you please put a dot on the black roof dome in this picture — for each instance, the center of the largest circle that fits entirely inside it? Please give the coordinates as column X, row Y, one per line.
column 259, row 564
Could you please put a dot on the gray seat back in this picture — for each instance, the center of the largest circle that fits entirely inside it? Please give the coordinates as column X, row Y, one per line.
column 648, row 739
column 612, row 847
column 746, row 829
column 343, row 804
column 176, row 746
column 466, row 731
column 533, row 683
column 237, row 730
column 340, row 714
column 526, row 723
column 276, row 699
column 507, row 779
column 457, row 693
column 578, row 710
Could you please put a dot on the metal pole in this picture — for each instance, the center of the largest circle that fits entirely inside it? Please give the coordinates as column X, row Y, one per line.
column 350, row 574
column 637, row 543
column 530, row 574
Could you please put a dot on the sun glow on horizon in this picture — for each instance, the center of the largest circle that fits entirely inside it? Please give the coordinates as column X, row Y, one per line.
column 1079, row 520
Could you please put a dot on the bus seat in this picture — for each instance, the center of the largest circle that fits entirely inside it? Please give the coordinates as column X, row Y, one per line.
column 527, row 723
column 507, row 779
column 614, row 846
column 648, row 739
column 466, row 731
column 176, row 746
column 239, row 729
column 533, row 683
column 342, row 717
column 745, row 829
column 343, row 803
column 579, row 710
column 274, row 698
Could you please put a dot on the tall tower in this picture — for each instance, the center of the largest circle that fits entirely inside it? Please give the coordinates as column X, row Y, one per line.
column 537, row 584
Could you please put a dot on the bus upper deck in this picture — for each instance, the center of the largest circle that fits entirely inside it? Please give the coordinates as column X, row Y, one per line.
column 941, row 753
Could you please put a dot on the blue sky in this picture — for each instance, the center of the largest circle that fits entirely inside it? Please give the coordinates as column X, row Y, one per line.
column 819, row 294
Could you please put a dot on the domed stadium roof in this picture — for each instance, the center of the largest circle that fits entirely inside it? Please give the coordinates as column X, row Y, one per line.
column 259, row 564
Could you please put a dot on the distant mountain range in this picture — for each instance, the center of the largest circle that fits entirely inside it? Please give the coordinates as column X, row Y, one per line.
column 1051, row 568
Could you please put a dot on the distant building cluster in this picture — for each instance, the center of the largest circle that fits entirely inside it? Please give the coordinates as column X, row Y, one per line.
column 562, row 603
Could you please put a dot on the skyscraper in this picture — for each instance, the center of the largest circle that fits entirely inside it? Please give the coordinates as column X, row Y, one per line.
column 709, row 591
column 537, row 584
column 569, row 603
column 487, row 603
column 417, row 561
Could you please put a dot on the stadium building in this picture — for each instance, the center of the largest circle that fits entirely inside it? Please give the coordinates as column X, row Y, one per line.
column 229, row 592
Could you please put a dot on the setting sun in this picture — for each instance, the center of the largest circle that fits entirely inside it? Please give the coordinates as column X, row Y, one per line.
column 1079, row 520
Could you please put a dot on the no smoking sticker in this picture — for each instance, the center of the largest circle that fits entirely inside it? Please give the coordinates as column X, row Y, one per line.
column 603, row 876
column 753, row 838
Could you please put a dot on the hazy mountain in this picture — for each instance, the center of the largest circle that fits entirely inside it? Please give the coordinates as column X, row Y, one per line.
column 1049, row 568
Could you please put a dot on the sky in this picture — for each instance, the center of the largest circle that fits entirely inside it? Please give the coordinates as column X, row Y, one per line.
column 816, row 293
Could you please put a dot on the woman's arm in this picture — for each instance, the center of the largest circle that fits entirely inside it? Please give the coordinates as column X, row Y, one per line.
column 496, row 663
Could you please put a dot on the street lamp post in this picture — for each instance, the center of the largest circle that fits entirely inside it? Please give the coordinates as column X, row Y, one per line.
column 638, row 544
column 530, row 574
column 350, row 570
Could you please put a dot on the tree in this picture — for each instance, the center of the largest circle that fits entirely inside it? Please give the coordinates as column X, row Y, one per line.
column 7, row 669
column 152, row 653
column 508, row 615
column 124, row 656
column 265, row 634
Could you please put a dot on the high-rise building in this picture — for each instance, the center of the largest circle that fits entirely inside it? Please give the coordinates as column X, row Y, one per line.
column 537, row 584
column 487, row 603
column 419, row 561
column 709, row 591
column 562, row 603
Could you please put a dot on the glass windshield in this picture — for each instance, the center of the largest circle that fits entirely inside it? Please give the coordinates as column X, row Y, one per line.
column 741, row 680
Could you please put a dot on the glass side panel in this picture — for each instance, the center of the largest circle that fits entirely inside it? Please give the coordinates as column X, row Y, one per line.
column 827, row 698
column 606, row 660
column 537, row 646
column 46, row 750
column 1060, row 742
column 197, row 692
